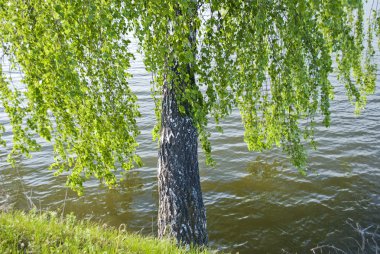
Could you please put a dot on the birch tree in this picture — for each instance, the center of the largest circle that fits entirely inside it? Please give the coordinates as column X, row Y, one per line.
column 270, row 59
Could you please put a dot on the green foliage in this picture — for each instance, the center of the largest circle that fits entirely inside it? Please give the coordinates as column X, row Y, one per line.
column 74, row 58
column 46, row 233
column 270, row 59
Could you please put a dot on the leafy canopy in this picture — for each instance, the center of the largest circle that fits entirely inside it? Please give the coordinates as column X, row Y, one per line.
column 271, row 59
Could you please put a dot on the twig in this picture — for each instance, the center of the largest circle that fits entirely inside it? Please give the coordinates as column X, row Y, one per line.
column 320, row 248
column 64, row 204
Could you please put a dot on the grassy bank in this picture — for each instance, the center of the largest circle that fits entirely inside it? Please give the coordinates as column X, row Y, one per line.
column 36, row 232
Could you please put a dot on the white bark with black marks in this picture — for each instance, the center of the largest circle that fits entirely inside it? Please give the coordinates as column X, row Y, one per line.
column 181, row 214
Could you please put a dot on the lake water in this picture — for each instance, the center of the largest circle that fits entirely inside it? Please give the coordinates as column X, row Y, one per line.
column 256, row 202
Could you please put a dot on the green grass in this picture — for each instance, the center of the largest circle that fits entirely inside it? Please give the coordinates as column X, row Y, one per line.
column 36, row 232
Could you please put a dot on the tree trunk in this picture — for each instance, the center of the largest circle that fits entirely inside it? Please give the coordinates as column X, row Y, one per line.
column 181, row 212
